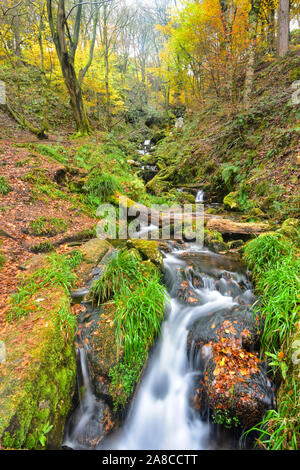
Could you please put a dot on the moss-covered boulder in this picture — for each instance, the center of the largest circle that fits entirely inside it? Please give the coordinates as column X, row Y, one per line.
column 214, row 241
column 231, row 200
column 94, row 250
column 148, row 250
column 290, row 228
column 38, row 375
column 157, row 186
column 235, row 386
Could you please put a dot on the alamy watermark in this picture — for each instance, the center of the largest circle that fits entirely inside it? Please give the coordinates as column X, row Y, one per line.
column 158, row 222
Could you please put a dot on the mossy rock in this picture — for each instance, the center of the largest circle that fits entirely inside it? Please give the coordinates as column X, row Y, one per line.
column 236, row 244
column 255, row 212
column 210, row 235
column 38, row 377
column 148, row 159
column 148, row 249
column 158, row 186
column 217, row 247
column 231, row 200
column 94, row 250
column 100, row 336
column 290, row 228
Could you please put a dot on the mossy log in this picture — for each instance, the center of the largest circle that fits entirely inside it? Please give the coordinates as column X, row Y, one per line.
column 227, row 227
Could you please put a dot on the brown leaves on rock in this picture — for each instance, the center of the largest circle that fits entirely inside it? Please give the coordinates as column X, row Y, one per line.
column 232, row 365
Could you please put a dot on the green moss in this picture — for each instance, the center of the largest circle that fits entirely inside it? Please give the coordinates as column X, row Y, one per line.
column 148, row 250
column 231, row 200
column 42, row 397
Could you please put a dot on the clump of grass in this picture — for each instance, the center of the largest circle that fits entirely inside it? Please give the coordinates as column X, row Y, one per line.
column 280, row 287
column 49, row 226
column 266, row 251
column 139, row 300
column 44, row 247
column 65, row 320
column 100, row 186
column 57, row 271
column 121, row 272
column 277, row 272
column 5, row 187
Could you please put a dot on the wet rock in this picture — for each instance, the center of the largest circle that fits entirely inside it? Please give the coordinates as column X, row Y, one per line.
column 99, row 421
column 228, row 287
column 236, row 384
column 98, row 334
column 217, row 246
column 234, row 322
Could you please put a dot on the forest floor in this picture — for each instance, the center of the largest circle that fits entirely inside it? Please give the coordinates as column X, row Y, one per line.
column 24, row 205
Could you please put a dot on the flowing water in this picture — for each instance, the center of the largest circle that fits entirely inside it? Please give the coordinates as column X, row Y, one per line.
column 162, row 415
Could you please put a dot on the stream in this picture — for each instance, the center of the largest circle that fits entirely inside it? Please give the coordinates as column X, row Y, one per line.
column 162, row 415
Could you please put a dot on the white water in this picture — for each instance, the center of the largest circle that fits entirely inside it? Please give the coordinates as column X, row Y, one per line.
column 162, row 417
column 199, row 196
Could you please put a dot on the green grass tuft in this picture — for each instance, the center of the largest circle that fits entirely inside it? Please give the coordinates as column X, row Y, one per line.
column 5, row 187
column 266, row 252
column 139, row 299
column 47, row 226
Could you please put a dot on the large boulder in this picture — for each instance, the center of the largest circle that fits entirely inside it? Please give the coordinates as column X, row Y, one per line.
column 98, row 334
column 236, row 385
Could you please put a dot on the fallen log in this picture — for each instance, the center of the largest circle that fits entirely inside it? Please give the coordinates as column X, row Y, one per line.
column 227, row 227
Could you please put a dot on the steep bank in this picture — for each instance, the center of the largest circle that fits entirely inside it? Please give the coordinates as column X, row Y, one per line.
column 253, row 155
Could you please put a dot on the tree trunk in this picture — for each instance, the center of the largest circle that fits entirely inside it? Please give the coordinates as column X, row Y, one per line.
column 271, row 30
column 253, row 20
column 283, row 27
column 106, row 68
column 66, row 59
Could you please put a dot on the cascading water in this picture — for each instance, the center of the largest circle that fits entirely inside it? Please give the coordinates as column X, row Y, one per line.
column 162, row 415
column 199, row 196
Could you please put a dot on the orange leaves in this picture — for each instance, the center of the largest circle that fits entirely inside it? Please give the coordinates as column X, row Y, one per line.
column 192, row 300
column 232, row 364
